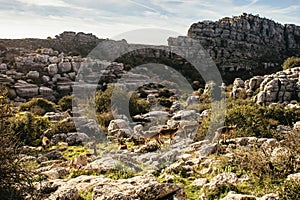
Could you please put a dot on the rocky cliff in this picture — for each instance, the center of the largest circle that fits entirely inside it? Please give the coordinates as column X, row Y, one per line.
column 247, row 45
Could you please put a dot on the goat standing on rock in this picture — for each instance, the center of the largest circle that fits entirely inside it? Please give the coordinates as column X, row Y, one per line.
column 165, row 133
column 224, row 131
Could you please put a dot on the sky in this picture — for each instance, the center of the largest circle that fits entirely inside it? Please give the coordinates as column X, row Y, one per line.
column 110, row 18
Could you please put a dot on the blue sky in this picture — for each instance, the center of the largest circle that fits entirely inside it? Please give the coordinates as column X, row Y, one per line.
column 107, row 18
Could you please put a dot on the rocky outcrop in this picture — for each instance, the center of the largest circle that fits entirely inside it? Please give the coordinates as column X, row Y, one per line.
column 140, row 187
column 247, row 45
column 281, row 87
column 145, row 187
column 49, row 74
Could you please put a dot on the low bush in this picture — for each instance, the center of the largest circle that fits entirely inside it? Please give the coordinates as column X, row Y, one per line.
column 64, row 126
column 38, row 106
column 104, row 119
column 120, row 171
column 138, row 106
column 65, row 103
column 103, row 100
column 290, row 190
column 254, row 120
column 28, row 127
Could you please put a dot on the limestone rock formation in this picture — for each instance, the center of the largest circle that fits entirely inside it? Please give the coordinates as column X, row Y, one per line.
column 248, row 44
column 281, row 87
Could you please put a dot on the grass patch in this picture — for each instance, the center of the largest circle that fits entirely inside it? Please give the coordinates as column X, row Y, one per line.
column 73, row 151
column 76, row 173
column 86, row 195
column 120, row 172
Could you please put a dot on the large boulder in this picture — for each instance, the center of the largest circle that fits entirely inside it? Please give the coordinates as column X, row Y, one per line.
column 76, row 138
column 64, row 67
column 117, row 124
column 224, row 179
column 26, row 90
column 140, row 187
column 65, row 193
column 33, row 75
column 103, row 165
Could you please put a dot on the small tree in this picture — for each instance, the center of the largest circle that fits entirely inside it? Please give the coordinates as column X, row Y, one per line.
column 15, row 181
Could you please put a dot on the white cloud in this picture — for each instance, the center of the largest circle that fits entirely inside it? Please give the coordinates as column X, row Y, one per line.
column 109, row 18
column 54, row 3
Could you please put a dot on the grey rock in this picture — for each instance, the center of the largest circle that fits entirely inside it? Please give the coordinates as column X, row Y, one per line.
column 294, row 177
column 54, row 59
column 192, row 100
column 270, row 196
column 103, row 164
column 140, row 187
column 26, row 90
column 3, row 67
column 56, row 173
column 65, row 193
column 64, row 67
column 199, row 182
column 45, row 91
column 117, row 124
column 234, row 196
column 52, row 69
column 46, row 79
column 225, row 178
column 76, row 138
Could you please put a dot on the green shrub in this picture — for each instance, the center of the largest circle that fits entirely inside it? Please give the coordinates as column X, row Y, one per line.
column 103, row 100
column 165, row 102
column 104, row 119
column 86, row 195
column 65, row 103
column 138, row 106
column 251, row 119
column 28, row 127
column 254, row 120
column 38, row 106
column 291, row 62
column 220, row 192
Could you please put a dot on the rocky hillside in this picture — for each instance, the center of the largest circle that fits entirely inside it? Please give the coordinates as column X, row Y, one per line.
column 69, row 42
column 247, row 45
